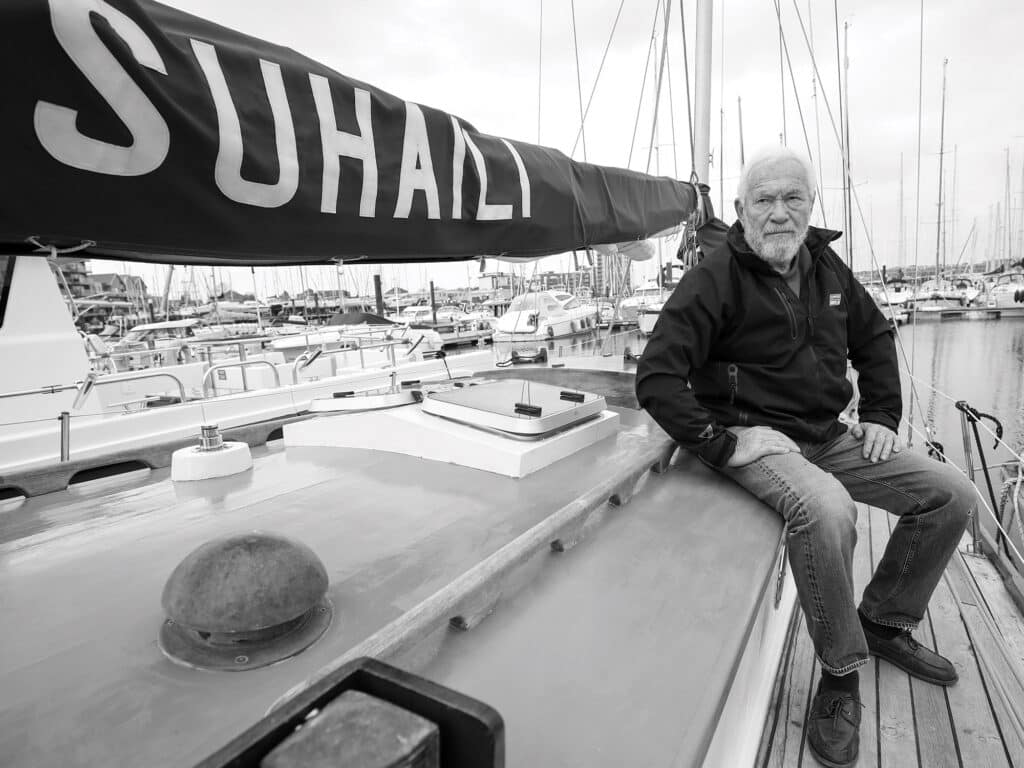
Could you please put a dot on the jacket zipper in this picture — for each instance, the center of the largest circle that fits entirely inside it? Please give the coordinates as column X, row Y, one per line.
column 734, row 382
column 789, row 311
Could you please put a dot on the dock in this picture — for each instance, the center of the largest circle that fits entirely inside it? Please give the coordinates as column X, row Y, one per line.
column 907, row 722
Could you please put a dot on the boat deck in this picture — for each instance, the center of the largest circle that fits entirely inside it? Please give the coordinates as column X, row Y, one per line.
column 906, row 722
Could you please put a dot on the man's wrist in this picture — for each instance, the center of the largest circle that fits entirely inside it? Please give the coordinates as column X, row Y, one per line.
column 717, row 450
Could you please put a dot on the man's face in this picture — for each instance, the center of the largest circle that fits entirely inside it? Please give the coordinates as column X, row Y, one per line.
column 776, row 211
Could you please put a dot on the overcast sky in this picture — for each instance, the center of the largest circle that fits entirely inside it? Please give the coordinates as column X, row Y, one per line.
column 483, row 61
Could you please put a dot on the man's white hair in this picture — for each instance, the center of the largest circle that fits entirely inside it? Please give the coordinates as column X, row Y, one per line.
column 773, row 154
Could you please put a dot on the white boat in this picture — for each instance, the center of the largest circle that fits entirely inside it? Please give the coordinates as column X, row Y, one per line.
column 650, row 294
column 1006, row 294
column 543, row 315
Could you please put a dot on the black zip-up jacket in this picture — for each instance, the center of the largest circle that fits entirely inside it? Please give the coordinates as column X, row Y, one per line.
column 734, row 346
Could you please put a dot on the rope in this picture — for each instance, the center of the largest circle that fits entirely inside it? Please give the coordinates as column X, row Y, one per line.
column 982, row 424
column 686, row 75
column 984, row 503
column 600, row 67
column 579, row 86
column 643, row 85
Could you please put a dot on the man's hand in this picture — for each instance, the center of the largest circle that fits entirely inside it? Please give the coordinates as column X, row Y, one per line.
column 879, row 442
column 754, row 442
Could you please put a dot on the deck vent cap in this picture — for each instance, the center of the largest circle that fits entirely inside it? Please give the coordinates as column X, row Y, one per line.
column 211, row 458
column 244, row 601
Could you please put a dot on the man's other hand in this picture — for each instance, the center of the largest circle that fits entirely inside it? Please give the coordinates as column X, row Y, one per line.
column 754, row 442
column 879, row 442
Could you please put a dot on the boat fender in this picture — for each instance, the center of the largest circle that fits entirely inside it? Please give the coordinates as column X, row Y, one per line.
column 551, row 331
column 572, row 326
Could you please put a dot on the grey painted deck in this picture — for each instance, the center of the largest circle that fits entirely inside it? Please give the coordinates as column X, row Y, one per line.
column 906, row 722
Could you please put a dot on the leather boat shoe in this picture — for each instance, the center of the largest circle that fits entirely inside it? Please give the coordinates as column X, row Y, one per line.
column 833, row 728
column 909, row 655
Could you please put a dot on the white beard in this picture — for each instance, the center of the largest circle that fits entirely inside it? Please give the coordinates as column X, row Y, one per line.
column 778, row 250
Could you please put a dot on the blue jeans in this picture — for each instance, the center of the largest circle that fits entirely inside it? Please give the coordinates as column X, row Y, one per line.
column 815, row 491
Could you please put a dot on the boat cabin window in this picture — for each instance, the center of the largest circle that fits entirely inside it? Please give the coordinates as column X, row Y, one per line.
column 572, row 304
column 6, row 271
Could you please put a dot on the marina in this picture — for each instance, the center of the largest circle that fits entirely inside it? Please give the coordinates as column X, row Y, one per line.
column 357, row 518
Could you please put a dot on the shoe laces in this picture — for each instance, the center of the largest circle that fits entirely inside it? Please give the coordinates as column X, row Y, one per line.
column 836, row 707
column 914, row 645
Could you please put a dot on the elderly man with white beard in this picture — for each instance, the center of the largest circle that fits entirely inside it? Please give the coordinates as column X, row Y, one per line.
column 747, row 368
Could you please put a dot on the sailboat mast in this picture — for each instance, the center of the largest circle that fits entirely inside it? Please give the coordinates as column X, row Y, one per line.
column 1009, row 211
column 942, row 139
column 702, row 97
column 901, row 245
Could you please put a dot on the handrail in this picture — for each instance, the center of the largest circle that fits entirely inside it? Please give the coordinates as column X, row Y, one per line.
column 55, row 388
column 141, row 376
column 237, row 364
column 51, row 389
column 302, row 360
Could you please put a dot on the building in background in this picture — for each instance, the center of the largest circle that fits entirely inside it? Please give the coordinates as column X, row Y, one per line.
column 75, row 275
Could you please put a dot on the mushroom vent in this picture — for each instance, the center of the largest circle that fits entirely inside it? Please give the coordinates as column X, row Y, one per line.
column 244, row 601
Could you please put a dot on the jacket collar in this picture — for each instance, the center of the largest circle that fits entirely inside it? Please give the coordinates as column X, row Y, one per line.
column 817, row 241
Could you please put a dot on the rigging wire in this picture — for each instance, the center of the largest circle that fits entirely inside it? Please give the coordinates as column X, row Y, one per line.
column 856, row 198
column 672, row 113
column 917, row 196
column 799, row 107
column 842, row 145
column 643, row 84
column 540, row 66
column 782, row 74
column 579, row 87
column 597, row 78
column 817, row 121
column 689, row 103
column 657, row 88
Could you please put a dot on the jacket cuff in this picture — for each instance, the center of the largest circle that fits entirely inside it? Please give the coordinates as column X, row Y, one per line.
column 878, row 417
column 717, row 450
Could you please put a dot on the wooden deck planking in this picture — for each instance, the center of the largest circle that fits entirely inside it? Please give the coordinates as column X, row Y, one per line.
column 1005, row 612
column 794, row 701
column 935, row 738
column 907, row 722
column 863, row 566
column 897, row 739
column 1003, row 683
column 977, row 735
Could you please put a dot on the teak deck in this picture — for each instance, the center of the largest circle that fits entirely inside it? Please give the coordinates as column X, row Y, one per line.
column 907, row 722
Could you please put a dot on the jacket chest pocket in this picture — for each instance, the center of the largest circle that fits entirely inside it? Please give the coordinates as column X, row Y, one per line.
column 790, row 313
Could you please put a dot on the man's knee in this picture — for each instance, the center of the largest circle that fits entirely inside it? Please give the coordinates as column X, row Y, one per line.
column 955, row 492
column 831, row 510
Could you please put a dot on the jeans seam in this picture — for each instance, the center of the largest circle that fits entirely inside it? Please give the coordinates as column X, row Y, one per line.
column 819, row 606
column 918, row 501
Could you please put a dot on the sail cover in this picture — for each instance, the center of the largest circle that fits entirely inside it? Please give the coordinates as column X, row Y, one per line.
column 159, row 136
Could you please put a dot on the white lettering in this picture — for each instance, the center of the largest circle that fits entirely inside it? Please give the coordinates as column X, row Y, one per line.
column 337, row 143
column 524, row 180
column 458, row 164
column 55, row 125
column 485, row 211
column 228, row 172
column 417, row 169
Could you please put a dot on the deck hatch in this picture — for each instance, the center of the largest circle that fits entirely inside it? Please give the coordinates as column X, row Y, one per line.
column 515, row 406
